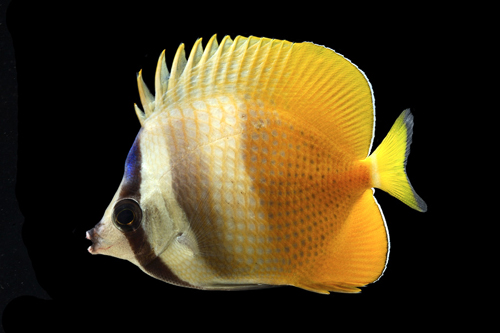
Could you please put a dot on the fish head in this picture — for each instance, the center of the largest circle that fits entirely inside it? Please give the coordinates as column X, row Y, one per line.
column 136, row 225
column 109, row 237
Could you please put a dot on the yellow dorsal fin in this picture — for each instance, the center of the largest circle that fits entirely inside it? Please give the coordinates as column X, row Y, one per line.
column 177, row 68
column 161, row 79
column 147, row 99
column 212, row 46
column 140, row 114
column 310, row 81
column 193, row 60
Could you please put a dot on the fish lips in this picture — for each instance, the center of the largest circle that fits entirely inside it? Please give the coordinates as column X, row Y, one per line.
column 91, row 236
column 95, row 238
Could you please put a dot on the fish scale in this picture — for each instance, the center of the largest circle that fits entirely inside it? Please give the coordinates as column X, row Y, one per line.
column 294, row 194
column 251, row 169
column 292, row 173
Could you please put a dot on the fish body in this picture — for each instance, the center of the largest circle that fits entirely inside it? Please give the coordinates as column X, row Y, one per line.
column 252, row 169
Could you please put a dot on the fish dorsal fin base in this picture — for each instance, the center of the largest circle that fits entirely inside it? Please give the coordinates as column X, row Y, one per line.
column 311, row 82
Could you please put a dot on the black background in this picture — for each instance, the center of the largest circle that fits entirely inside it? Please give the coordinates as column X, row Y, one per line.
column 76, row 65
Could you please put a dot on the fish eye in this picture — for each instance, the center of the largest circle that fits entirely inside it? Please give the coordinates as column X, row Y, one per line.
column 127, row 215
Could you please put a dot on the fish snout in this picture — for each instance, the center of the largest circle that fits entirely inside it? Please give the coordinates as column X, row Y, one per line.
column 94, row 237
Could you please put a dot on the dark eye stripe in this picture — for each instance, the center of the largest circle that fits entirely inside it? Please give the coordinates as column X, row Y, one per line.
column 138, row 240
column 128, row 212
column 131, row 187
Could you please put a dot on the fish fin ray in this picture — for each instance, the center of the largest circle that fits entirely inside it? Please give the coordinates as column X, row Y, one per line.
column 177, row 68
column 210, row 50
column 388, row 163
column 326, row 287
column 147, row 99
column 358, row 254
column 309, row 81
column 234, row 286
column 161, row 79
column 194, row 58
column 140, row 114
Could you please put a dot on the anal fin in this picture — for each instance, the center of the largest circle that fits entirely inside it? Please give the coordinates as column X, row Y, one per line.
column 358, row 253
column 326, row 287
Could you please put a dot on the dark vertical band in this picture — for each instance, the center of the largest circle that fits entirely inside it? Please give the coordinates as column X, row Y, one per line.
column 138, row 240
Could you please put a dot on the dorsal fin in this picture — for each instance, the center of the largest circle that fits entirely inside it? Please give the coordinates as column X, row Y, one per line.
column 193, row 60
column 161, row 79
column 177, row 68
column 147, row 100
column 309, row 81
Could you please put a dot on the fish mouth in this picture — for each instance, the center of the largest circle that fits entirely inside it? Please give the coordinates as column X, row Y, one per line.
column 95, row 238
column 90, row 236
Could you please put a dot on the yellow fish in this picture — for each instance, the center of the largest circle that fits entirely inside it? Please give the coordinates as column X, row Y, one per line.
column 252, row 169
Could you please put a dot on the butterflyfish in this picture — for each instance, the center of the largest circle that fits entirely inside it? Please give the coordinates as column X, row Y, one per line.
column 252, row 169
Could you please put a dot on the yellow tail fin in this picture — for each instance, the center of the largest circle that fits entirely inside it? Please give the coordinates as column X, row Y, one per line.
column 388, row 163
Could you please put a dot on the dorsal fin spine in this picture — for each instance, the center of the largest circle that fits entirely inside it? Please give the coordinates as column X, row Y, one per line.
column 194, row 58
column 147, row 99
column 140, row 114
column 210, row 49
column 242, row 58
column 216, row 61
column 161, row 81
column 230, row 55
column 177, row 68
column 207, row 54
column 308, row 81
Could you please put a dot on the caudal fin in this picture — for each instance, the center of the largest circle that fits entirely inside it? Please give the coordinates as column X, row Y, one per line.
column 388, row 163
